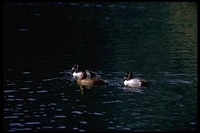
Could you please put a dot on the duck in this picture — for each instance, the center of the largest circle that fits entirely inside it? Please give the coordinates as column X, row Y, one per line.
column 88, row 81
column 131, row 81
column 77, row 73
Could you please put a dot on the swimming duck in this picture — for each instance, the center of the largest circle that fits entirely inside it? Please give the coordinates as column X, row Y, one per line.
column 77, row 73
column 129, row 80
column 86, row 80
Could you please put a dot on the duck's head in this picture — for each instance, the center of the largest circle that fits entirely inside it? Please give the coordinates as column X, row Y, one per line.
column 75, row 68
column 128, row 75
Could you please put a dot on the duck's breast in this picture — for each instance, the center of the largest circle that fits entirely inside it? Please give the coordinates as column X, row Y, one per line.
column 86, row 81
column 132, row 82
column 77, row 74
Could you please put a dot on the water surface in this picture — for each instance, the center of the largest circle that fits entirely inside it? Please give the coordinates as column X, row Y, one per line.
column 157, row 41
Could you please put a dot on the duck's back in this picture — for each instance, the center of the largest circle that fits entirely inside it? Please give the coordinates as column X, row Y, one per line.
column 91, row 81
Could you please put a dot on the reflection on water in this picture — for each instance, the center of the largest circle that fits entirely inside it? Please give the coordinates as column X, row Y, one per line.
column 157, row 41
column 183, row 39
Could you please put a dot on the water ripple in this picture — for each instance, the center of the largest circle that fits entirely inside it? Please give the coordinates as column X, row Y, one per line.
column 10, row 99
column 23, row 129
column 112, row 128
column 47, row 79
column 60, row 116
column 19, row 99
column 10, row 84
column 31, row 99
column 18, row 114
column 24, row 88
column 23, row 31
column 42, row 91
column 77, row 112
column 62, row 127
column 83, row 122
column 116, row 101
column 10, row 96
column 99, row 114
column 26, row 73
column 48, row 127
column 75, row 128
column 177, row 81
column 7, row 91
column 16, row 124
column 32, row 123
column 10, row 117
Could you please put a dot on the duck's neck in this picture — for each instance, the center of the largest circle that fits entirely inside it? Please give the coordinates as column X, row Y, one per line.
column 84, row 75
column 130, row 76
column 76, row 70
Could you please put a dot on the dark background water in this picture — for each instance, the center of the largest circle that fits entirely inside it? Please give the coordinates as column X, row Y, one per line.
column 157, row 41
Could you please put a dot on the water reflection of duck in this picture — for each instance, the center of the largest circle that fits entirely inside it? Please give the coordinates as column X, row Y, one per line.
column 77, row 73
column 130, row 81
column 88, row 80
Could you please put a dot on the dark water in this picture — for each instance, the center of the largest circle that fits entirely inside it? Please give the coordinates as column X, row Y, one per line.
column 157, row 41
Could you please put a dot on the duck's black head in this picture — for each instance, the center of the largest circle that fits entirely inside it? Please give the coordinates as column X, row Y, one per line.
column 128, row 75
column 75, row 68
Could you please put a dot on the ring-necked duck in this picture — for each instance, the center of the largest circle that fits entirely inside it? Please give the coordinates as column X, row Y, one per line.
column 129, row 80
column 77, row 73
column 85, row 80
